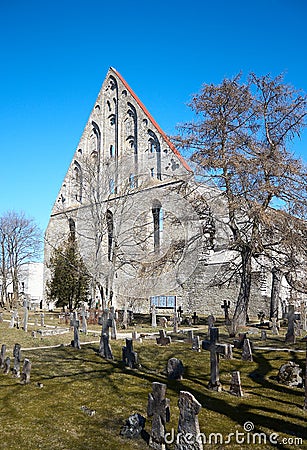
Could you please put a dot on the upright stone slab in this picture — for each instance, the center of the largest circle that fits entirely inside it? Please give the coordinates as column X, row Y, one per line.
column 263, row 335
column 215, row 349
column 14, row 317
column 195, row 319
column 113, row 318
column 2, row 356
column 76, row 323
column 105, row 348
column 247, row 354
column 130, row 357
column 159, row 409
column 42, row 317
column 196, row 344
column 290, row 336
column 211, row 322
column 235, row 384
column 190, row 336
column 17, row 358
column 188, row 436
column 163, row 339
column 174, row 369
column 26, row 315
column 6, row 366
column 26, row 371
column 84, row 320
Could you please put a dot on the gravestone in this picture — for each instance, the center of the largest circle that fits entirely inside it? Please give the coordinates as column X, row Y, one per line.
column 195, row 318
column 174, row 369
column 42, row 316
column 247, row 354
column 275, row 326
column 1, row 317
column 196, row 344
column 290, row 374
column 190, row 337
column 75, row 323
column 26, row 314
column 84, row 320
column 176, row 321
column 6, row 366
column 159, row 409
column 133, row 427
column 188, row 436
column 215, row 349
column 13, row 318
column 163, row 339
column 235, row 384
column 163, row 322
column 130, row 357
column 290, row 336
column 113, row 318
column 2, row 356
column 211, row 322
column 153, row 316
column 17, row 358
column 26, row 370
column 226, row 307
column 104, row 347
column 135, row 336
column 263, row 335
column 104, row 321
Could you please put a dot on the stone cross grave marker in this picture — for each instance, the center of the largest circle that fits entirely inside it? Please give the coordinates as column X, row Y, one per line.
column 75, row 323
column 290, row 336
column 226, row 307
column 211, row 322
column 130, row 357
column 215, row 349
column 2, row 355
column 26, row 314
column 235, row 384
column 159, row 409
column 174, row 369
column 26, row 370
column 163, row 339
column 195, row 319
column 17, row 358
column 104, row 347
column 196, row 344
column 188, row 425
column 153, row 316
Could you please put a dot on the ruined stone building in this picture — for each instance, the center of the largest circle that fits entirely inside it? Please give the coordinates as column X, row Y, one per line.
column 147, row 231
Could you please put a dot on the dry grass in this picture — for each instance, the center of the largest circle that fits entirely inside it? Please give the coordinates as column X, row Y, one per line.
column 51, row 417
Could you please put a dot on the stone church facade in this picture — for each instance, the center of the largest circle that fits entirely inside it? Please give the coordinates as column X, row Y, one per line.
column 147, row 231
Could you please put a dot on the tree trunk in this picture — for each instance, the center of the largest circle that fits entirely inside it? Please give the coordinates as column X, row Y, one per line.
column 275, row 291
column 240, row 314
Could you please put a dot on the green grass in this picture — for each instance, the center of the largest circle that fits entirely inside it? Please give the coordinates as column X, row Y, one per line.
column 51, row 417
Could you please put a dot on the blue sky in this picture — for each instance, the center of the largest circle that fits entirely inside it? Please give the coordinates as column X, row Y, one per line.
column 55, row 55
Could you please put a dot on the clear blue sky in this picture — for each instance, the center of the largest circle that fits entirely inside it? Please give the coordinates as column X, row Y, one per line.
column 55, row 55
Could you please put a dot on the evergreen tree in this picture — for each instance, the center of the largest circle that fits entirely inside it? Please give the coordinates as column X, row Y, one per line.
column 69, row 284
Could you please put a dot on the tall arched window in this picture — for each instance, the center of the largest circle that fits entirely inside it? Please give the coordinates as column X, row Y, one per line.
column 110, row 230
column 155, row 149
column 77, row 182
column 72, row 228
column 157, row 215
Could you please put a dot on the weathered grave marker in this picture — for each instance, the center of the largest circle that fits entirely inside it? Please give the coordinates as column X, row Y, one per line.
column 2, row 355
column 26, row 370
column 42, row 316
column 275, row 326
column 153, row 316
column 188, row 436
column 247, row 354
column 130, row 357
column 196, row 344
column 226, row 307
column 13, row 318
column 159, row 409
column 113, row 318
column 17, row 358
column 235, row 384
column 263, row 335
column 75, row 323
column 195, row 318
column 6, row 366
column 163, row 339
column 134, row 426
column 190, row 336
column 163, row 322
column 26, row 314
column 211, row 322
column 215, row 349
column 290, row 336
column 174, row 369
column 104, row 347
column 84, row 319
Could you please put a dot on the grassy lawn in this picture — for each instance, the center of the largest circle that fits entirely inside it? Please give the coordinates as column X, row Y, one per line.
column 50, row 417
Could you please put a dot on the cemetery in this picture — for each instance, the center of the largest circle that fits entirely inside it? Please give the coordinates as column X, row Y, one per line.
column 135, row 386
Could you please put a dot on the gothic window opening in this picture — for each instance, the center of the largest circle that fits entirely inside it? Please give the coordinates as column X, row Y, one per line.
column 110, row 230
column 77, row 180
column 112, row 153
column 155, row 149
column 72, row 229
column 157, row 214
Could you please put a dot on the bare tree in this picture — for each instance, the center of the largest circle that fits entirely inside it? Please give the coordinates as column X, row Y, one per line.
column 240, row 141
column 21, row 242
